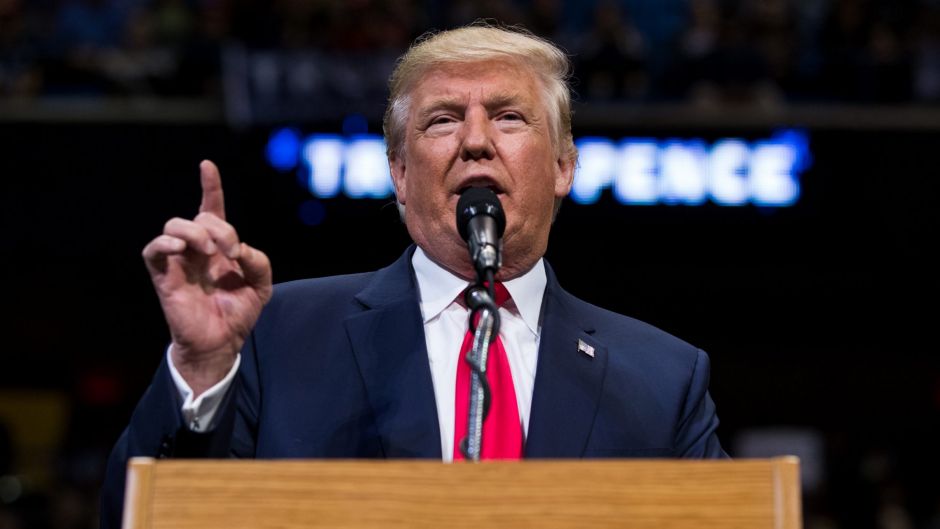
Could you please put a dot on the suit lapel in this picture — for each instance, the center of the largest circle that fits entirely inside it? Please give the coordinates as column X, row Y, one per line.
column 389, row 344
column 568, row 382
column 390, row 348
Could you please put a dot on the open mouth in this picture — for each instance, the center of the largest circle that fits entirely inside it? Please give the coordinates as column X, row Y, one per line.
column 484, row 182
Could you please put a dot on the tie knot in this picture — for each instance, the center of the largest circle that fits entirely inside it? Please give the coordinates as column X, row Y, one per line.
column 502, row 295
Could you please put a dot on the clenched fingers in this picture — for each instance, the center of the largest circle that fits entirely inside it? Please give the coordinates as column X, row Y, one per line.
column 196, row 236
column 256, row 267
column 157, row 250
column 221, row 232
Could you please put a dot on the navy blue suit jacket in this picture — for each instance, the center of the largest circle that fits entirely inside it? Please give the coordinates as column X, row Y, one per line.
column 338, row 368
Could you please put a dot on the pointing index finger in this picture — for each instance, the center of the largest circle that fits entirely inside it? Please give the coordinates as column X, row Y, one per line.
column 213, row 201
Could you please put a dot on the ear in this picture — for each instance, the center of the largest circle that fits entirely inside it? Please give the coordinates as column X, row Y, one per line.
column 564, row 176
column 396, row 166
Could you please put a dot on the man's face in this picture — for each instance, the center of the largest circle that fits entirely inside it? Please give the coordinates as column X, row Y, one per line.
column 479, row 125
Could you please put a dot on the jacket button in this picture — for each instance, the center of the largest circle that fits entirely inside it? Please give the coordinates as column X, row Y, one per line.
column 166, row 448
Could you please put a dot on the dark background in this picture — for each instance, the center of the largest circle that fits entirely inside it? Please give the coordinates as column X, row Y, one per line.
column 816, row 316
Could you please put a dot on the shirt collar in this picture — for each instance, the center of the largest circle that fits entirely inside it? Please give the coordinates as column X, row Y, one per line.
column 438, row 288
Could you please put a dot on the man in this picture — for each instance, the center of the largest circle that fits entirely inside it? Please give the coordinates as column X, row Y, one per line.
column 367, row 365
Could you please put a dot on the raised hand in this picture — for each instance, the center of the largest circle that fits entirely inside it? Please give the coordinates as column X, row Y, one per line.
column 211, row 286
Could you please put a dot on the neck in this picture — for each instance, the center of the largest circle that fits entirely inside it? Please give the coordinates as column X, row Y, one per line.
column 463, row 268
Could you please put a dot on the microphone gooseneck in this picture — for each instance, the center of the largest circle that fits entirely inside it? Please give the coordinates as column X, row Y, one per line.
column 481, row 222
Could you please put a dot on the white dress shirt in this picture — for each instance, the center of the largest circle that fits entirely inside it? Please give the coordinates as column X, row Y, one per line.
column 445, row 323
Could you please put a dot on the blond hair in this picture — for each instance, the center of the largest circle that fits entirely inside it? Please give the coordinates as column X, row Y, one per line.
column 477, row 43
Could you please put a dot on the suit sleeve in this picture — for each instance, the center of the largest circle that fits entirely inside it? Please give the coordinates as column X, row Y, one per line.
column 157, row 429
column 696, row 435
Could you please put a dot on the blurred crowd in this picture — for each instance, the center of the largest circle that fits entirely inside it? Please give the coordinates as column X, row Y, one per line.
column 857, row 51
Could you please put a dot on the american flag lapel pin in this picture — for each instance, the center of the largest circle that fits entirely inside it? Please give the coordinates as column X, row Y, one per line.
column 585, row 348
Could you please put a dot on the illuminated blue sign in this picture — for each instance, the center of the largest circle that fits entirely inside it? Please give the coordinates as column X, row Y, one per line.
column 729, row 172
column 638, row 171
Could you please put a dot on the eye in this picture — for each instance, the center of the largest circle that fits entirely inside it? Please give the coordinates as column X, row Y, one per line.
column 511, row 116
column 441, row 120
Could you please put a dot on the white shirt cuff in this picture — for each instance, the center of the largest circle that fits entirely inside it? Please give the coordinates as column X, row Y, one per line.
column 200, row 411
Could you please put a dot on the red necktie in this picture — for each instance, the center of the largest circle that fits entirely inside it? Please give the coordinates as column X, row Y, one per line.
column 502, row 429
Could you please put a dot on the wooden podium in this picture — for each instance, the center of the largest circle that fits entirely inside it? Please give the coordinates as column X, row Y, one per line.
column 664, row 494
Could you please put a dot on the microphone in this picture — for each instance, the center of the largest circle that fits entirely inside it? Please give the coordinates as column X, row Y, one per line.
column 481, row 222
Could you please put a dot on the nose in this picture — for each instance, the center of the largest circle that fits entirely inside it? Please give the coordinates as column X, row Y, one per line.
column 477, row 141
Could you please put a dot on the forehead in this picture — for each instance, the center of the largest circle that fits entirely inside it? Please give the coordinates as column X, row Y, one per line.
column 485, row 79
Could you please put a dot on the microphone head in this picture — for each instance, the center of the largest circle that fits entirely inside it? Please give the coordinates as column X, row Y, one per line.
column 479, row 201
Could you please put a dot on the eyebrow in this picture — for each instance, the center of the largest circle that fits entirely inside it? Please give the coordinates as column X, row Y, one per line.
column 457, row 104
